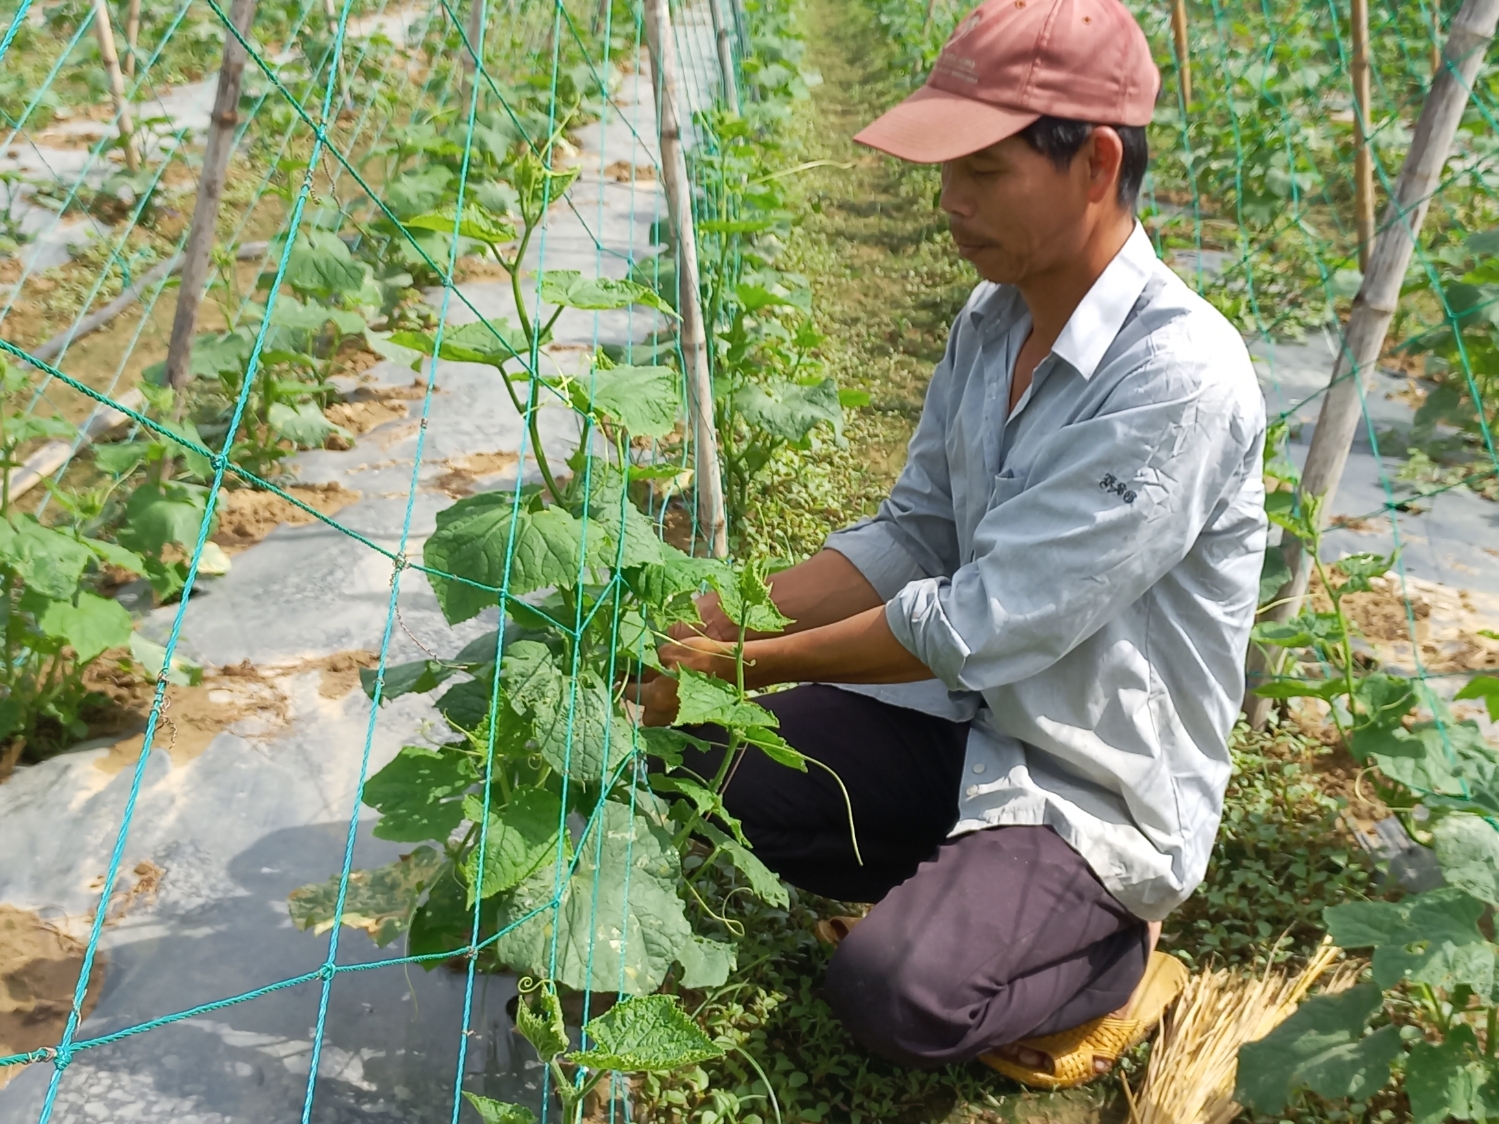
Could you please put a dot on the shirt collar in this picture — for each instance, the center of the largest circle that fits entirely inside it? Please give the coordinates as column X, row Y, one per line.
column 1096, row 321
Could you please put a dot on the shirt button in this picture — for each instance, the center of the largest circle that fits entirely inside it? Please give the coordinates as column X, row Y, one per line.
column 973, row 790
column 979, row 768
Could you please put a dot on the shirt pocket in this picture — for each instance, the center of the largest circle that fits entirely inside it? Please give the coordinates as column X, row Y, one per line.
column 1007, row 485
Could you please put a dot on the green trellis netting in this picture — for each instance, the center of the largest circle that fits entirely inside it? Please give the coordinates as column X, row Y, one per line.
column 379, row 146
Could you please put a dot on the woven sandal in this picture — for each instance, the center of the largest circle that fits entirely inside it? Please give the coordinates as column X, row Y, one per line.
column 1072, row 1051
column 832, row 930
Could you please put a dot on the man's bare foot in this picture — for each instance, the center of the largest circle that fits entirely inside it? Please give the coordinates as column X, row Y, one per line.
column 1035, row 1059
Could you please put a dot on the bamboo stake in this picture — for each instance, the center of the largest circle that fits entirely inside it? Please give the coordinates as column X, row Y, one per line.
column 725, row 58
column 1363, row 158
column 216, row 153
column 132, row 36
column 473, row 30
column 710, row 505
column 1374, row 306
column 1183, row 52
column 106, row 36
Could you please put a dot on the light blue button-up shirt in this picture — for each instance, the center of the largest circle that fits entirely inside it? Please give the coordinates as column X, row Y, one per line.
column 1081, row 574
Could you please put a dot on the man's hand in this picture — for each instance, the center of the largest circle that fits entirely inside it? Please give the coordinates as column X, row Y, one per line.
column 714, row 625
column 658, row 693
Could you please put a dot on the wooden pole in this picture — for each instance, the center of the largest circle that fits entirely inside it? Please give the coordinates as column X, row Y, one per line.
column 725, row 58
column 710, row 505
column 1374, row 306
column 1363, row 157
column 473, row 31
column 1183, row 52
column 106, row 36
column 200, row 238
column 132, row 36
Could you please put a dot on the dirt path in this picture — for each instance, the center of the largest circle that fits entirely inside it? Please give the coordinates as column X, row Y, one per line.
column 885, row 280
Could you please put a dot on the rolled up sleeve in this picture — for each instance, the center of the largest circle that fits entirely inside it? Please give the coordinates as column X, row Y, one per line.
column 1111, row 504
column 914, row 535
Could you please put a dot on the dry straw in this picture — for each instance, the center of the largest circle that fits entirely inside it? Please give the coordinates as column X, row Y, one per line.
column 1194, row 1062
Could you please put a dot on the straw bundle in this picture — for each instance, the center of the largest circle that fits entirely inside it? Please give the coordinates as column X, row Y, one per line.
column 1194, row 1062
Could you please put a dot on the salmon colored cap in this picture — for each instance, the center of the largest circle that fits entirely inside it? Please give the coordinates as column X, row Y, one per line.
column 1010, row 62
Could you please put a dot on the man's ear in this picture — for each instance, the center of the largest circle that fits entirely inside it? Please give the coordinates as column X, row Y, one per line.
column 1104, row 152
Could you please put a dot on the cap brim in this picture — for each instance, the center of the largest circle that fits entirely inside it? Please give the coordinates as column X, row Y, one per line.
column 933, row 125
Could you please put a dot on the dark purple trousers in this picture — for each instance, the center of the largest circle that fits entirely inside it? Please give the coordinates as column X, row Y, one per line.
column 973, row 942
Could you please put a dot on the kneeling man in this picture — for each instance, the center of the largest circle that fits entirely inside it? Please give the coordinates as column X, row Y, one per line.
column 1038, row 641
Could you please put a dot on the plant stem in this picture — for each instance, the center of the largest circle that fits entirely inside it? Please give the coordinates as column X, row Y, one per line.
column 534, row 342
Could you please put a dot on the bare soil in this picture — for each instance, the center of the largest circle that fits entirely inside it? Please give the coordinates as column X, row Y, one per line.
column 248, row 515
column 191, row 717
column 39, row 968
column 463, row 472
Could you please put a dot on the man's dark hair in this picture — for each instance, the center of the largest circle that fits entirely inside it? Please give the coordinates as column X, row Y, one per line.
column 1058, row 139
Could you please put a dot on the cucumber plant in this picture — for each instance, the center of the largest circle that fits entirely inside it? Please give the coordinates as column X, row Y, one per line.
column 53, row 622
column 1434, row 948
column 1376, row 711
column 1442, row 778
column 541, row 817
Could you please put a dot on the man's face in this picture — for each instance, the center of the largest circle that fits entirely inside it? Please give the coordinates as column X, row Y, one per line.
column 1012, row 213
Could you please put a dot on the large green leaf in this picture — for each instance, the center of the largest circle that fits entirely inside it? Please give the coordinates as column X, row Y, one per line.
column 580, row 734
column 1431, row 938
column 122, row 458
column 1321, row 1047
column 47, row 561
column 1468, row 849
column 644, row 401
column 89, row 625
column 491, row 342
column 417, row 677
column 707, row 963
column 1453, row 1081
column 486, row 539
column 153, row 657
column 378, row 901
column 632, row 539
column 294, row 323
column 321, row 265
column 571, row 289
column 1485, row 687
column 304, row 424
column 419, row 793
column 443, row 923
column 678, row 575
column 477, row 223
column 1430, row 757
column 620, row 924
column 1384, row 700
column 500, row 1112
column 521, row 836
column 790, row 411
column 645, row 1034
column 705, row 698
column 157, row 514
column 417, row 190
